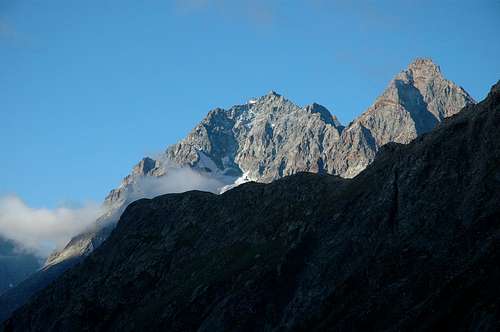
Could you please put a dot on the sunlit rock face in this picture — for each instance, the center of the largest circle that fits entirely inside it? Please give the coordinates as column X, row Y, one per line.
column 414, row 102
column 271, row 137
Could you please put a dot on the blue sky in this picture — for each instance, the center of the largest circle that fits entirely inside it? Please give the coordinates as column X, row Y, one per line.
column 89, row 87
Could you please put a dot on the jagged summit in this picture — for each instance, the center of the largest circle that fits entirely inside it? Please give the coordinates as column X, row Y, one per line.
column 414, row 102
column 144, row 166
column 271, row 137
column 273, row 93
column 262, row 140
column 270, row 95
column 424, row 65
column 324, row 114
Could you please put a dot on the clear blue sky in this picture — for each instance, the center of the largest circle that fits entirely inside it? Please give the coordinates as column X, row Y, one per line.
column 89, row 87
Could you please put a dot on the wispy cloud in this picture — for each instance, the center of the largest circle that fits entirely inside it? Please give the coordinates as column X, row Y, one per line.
column 41, row 230
column 176, row 180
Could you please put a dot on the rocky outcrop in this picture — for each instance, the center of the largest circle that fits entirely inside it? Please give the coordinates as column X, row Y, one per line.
column 411, row 243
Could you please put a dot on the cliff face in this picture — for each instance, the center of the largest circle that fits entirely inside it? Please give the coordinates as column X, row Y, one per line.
column 412, row 243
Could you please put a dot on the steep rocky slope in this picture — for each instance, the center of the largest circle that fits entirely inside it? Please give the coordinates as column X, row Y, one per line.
column 414, row 102
column 265, row 139
column 271, row 137
column 412, row 243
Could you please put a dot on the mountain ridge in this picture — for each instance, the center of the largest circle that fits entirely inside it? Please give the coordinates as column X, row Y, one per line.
column 411, row 243
column 271, row 137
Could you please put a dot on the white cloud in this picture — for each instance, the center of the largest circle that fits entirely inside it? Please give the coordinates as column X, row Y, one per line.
column 41, row 230
column 176, row 180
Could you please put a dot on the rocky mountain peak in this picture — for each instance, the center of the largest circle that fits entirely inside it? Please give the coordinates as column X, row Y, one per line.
column 270, row 137
column 272, row 97
column 324, row 113
column 144, row 166
column 269, row 106
column 414, row 102
column 273, row 94
column 424, row 67
column 423, row 74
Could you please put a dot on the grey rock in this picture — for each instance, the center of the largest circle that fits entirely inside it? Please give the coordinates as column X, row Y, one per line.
column 271, row 137
column 414, row 102
column 265, row 139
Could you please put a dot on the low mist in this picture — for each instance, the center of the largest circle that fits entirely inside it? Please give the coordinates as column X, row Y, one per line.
column 177, row 180
column 41, row 230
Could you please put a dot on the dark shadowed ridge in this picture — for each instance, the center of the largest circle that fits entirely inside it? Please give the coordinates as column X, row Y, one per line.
column 411, row 243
